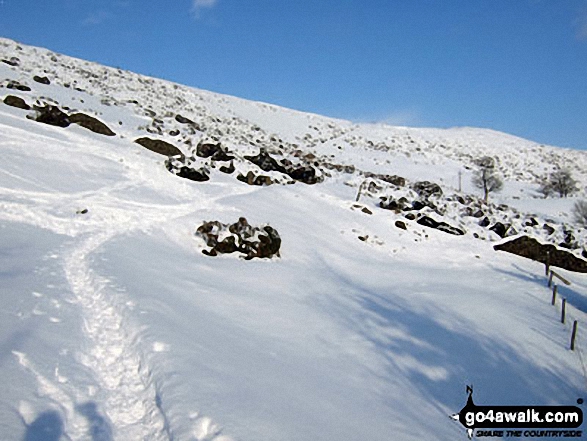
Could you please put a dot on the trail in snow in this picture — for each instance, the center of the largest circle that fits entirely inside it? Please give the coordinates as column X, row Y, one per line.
column 125, row 392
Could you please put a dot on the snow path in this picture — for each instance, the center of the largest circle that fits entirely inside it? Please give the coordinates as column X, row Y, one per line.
column 111, row 347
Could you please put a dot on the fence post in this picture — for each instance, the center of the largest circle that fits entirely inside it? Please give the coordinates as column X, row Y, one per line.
column 563, row 311
column 573, row 335
column 554, row 291
column 547, row 264
column 550, row 280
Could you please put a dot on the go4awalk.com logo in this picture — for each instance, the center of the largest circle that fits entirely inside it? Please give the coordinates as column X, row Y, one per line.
column 520, row 421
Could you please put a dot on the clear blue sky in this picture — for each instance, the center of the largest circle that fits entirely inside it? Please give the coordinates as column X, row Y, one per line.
column 518, row 66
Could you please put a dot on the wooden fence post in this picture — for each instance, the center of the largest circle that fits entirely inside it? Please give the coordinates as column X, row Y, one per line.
column 547, row 263
column 550, row 280
column 564, row 310
column 574, row 335
column 554, row 291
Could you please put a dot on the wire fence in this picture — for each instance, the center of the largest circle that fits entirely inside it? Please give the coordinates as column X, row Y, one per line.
column 569, row 319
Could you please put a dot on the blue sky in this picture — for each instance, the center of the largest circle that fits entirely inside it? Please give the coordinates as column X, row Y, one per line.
column 518, row 66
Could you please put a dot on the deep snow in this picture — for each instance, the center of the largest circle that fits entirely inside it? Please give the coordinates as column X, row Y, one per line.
column 116, row 327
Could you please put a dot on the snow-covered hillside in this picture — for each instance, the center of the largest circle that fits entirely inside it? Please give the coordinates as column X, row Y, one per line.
column 367, row 325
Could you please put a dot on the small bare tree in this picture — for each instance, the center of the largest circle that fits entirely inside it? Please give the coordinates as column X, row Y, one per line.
column 580, row 212
column 560, row 181
column 486, row 177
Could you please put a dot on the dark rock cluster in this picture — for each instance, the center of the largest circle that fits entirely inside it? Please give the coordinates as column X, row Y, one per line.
column 530, row 248
column 251, row 242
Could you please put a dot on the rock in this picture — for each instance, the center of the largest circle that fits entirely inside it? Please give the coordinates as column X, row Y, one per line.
column 499, row 229
column 584, row 253
column 91, row 123
column 252, row 242
column 398, row 181
column 388, row 203
column 417, row 205
column 228, row 170
column 532, row 249
column 479, row 213
column 305, row 174
column 41, row 80
column 441, row 226
column 425, row 189
column 183, row 120
column 13, row 61
column 411, row 216
column 84, row 211
column 366, row 210
column 531, row 222
column 262, row 180
column 199, row 175
column 265, row 162
column 16, row 101
column 484, row 222
column 159, row 146
column 214, row 151
column 17, row 86
column 174, row 132
column 401, row 224
column 51, row 115
column 549, row 230
column 226, row 246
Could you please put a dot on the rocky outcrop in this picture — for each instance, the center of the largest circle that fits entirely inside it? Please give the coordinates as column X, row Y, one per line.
column 532, row 249
column 159, row 146
column 251, row 242
column 302, row 173
column 91, row 123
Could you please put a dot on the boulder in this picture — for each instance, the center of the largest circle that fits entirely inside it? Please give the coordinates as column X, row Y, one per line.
column 388, row 203
column 441, row 226
column 227, row 169
column 91, row 123
column 51, row 115
column 13, row 61
column 305, row 174
column 197, row 175
column 485, row 222
column 425, row 189
column 265, row 162
column 500, row 229
column 16, row 101
column 398, row 181
column 41, row 80
column 159, row 146
column 183, row 120
column 214, row 151
column 549, row 230
column 17, row 86
column 532, row 222
column 530, row 248
column 401, row 224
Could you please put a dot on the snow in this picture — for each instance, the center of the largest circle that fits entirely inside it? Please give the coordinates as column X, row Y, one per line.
column 116, row 327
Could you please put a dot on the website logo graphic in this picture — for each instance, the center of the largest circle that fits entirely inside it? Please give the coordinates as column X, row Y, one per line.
column 515, row 418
